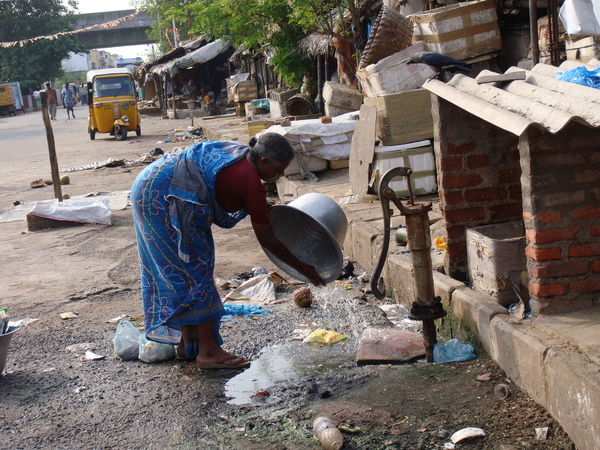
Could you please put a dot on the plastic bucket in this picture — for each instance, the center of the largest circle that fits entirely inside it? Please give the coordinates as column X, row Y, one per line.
column 313, row 228
column 4, row 343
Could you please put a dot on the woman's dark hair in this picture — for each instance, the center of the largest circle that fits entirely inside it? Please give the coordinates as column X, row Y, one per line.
column 272, row 146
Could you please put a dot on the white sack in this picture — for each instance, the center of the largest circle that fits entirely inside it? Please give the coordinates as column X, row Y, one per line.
column 88, row 211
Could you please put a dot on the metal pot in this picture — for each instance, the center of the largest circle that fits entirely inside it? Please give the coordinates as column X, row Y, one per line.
column 313, row 228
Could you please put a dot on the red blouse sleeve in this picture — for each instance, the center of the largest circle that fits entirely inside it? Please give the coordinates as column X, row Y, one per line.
column 238, row 186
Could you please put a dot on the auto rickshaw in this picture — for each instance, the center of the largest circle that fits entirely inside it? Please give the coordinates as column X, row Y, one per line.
column 112, row 103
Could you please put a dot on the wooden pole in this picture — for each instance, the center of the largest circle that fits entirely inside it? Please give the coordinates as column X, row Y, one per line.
column 51, row 148
column 533, row 30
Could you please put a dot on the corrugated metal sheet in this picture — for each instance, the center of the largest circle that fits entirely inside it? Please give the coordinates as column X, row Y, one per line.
column 540, row 100
column 199, row 56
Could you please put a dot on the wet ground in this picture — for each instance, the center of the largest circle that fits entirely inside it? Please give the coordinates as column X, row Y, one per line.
column 51, row 396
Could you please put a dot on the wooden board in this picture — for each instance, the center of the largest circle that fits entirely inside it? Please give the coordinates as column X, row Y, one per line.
column 362, row 150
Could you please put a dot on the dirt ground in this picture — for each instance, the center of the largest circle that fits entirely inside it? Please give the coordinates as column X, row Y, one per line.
column 53, row 397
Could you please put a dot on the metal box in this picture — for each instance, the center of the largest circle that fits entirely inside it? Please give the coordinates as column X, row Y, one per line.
column 495, row 253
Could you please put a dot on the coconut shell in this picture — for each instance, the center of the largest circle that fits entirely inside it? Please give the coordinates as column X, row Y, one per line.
column 302, row 297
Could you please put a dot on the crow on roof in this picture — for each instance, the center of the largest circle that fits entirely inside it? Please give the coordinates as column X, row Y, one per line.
column 439, row 62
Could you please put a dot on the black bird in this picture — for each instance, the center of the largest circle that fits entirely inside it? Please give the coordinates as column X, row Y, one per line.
column 439, row 62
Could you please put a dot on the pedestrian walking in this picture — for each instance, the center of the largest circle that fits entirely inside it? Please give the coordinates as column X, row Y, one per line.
column 175, row 200
column 52, row 97
column 68, row 100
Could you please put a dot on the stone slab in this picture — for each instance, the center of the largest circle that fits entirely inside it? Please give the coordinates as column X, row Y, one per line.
column 389, row 346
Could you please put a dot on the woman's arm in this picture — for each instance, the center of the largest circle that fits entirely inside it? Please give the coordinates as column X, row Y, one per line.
column 266, row 238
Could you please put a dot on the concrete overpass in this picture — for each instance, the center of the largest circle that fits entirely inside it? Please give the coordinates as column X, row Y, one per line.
column 128, row 32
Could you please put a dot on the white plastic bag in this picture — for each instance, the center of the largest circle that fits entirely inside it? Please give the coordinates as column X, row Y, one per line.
column 581, row 17
column 153, row 352
column 126, row 341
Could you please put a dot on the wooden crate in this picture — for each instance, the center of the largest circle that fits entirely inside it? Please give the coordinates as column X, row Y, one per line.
column 464, row 30
column 342, row 96
column 403, row 117
column 393, row 74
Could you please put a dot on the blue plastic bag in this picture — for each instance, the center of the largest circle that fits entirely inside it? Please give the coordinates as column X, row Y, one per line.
column 452, row 351
column 242, row 310
column 581, row 75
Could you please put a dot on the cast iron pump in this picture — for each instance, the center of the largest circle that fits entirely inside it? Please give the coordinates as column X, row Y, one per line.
column 426, row 307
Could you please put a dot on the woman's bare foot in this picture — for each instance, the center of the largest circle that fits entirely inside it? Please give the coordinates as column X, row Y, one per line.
column 221, row 359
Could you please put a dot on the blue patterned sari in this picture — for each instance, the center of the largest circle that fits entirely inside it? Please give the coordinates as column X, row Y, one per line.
column 174, row 206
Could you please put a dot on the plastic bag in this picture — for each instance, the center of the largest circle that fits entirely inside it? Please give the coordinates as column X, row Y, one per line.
column 153, row 352
column 126, row 341
column 452, row 351
column 581, row 75
column 581, row 18
column 324, row 337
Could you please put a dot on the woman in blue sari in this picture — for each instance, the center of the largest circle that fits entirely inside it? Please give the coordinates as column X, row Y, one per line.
column 175, row 200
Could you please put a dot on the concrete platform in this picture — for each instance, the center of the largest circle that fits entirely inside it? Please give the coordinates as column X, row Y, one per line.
column 555, row 359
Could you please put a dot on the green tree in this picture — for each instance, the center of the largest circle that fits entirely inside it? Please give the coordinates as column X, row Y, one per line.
column 35, row 62
column 278, row 25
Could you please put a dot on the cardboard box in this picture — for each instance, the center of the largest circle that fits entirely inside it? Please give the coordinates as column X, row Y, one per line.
column 416, row 155
column 403, row 117
column 342, row 96
column 464, row 30
column 494, row 252
column 244, row 91
column 393, row 74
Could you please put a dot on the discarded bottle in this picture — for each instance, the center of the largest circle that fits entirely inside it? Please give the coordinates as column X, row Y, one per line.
column 327, row 433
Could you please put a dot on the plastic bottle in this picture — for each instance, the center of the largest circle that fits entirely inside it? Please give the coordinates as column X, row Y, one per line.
column 327, row 433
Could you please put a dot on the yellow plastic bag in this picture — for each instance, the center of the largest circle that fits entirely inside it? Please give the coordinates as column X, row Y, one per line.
column 324, row 337
column 439, row 243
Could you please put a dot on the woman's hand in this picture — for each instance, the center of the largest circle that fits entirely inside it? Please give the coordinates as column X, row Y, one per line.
column 313, row 276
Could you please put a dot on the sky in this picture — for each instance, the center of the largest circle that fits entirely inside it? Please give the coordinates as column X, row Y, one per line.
column 91, row 6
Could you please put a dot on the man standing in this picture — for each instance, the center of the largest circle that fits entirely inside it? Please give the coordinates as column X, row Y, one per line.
column 52, row 97
column 67, row 98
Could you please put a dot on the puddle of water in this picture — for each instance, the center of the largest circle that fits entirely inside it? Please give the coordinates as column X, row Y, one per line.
column 284, row 363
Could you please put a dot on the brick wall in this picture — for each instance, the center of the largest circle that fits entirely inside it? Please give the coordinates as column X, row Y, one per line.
column 478, row 177
column 561, row 210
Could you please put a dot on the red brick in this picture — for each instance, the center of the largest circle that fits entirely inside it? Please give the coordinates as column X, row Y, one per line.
column 586, row 212
column 588, row 285
column 560, row 269
column 560, row 160
column 596, row 229
column 464, row 215
column 552, row 235
column 527, row 216
column 596, row 266
column 451, row 163
column 514, row 155
column 515, row 192
column 456, row 233
column 503, row 160
column 548, row 216
column 460, row 181
column 587, row 176
column 546, row 290
column 478, row 161
column 507, row 211
column 509, row 175
column 467, row 147
column 543, row 254
column 485, row 194
column 584, row 250
column 452, row 198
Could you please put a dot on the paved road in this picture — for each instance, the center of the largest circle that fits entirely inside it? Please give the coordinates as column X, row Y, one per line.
column 25, row 157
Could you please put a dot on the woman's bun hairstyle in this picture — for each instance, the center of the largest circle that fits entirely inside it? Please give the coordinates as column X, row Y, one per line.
column 272, row 146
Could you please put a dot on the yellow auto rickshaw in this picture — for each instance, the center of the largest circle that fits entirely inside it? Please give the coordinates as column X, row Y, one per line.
column 112, row 103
